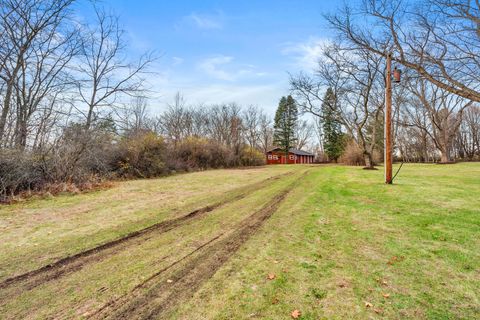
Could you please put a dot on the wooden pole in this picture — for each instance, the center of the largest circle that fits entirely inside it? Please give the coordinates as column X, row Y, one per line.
column 388, row 122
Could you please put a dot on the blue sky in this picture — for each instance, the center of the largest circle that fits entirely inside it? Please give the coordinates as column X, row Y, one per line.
column 225, row 51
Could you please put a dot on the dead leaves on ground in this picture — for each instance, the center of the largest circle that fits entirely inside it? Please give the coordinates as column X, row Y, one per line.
column 393, row 260
column 343, row 284
column 378, row 311
column 369, row 305
column 271, row 276
column 296, row 314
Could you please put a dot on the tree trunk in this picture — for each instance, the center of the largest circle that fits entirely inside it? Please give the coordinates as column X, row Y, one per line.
column 367, row 156
column 445, row 156
column 6, row 108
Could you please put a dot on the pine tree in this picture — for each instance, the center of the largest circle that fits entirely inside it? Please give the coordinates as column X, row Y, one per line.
column 286, row 119
column 332, row 130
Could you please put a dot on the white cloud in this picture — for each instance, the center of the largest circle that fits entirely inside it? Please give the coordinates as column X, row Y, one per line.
column 221, row 67
column 213, row 67
column 206, row 22
column 177, row 61
column 306, row 54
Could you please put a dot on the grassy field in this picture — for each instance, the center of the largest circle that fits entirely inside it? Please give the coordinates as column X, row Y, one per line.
column 331, row 242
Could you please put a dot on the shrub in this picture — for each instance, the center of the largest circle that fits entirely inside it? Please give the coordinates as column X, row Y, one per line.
column 199, row 153
column 20, row 171
column 78, row 154
column 141, row 155
column 251, row 157
column 84, row 159
column 352, row 155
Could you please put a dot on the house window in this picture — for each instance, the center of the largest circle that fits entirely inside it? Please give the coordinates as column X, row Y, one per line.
column 292, row 157
column 270, row 157
column 275, row 157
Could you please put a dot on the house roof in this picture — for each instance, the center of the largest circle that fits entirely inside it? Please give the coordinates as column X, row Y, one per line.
column 300, row 152
column 294, row 151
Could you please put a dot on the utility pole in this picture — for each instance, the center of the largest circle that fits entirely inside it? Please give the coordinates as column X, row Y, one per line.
column 388, row 122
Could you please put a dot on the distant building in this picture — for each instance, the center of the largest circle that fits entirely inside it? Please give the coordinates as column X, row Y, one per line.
column 295, row 156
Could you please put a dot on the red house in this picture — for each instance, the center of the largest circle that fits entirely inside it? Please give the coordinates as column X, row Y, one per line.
column 278, row 156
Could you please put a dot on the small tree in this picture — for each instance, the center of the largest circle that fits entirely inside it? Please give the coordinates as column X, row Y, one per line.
column 286, row 119
column 332, row 131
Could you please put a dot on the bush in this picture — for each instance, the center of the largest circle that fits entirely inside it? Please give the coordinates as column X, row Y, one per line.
column 352, row 155
column 79, row 154
column 251, row 157
column 20, row 171
column 83, row 160
column 141, row 156
column 199, row 153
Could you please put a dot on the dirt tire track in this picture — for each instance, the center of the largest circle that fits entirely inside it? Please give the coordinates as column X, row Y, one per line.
column 70, row 264
column 155, row 298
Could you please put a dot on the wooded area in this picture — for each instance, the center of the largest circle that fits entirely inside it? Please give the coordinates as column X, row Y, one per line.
column 74, row 107
column 436, row 43
column 74, row 104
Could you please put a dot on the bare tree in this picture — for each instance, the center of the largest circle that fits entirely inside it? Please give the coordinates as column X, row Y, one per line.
column 173, row 120
column 444, row 113
column 43, row 78
column 226, row 125
column 468, row 138
column 356, row 78
column 303, row 134
column 251, row 121
column 105, row 73
column 438, row 39
column 22, row 23
column 413, row 142
column 266, row 133
column 133, row 117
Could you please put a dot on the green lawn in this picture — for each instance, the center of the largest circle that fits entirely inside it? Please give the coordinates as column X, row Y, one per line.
column 340, row 245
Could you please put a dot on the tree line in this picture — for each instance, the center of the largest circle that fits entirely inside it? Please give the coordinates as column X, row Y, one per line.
column 74, row 104
column 436, row 112
column 74, row 107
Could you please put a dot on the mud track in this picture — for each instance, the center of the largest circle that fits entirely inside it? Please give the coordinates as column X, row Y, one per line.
column 157, row 296
column 67, row 265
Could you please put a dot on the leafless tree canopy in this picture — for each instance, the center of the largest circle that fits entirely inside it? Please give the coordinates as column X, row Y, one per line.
column 438, row 39
column 74, row 104
column 356, row 78
column 436, row 43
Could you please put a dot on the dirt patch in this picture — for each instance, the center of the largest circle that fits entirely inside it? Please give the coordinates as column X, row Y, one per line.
column 158, row 295
column 32, row 279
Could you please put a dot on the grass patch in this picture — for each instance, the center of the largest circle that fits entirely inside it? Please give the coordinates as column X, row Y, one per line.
column 349, row 247
column 342, row 245
column 38, row 232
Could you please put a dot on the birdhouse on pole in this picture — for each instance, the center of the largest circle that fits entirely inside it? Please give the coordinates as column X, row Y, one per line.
column 397, row 75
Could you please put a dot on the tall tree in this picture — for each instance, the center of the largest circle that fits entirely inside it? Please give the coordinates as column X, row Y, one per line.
column 266, row 133
column 107, row 76
column 355, row 77
column 438, row 40
column 286, row 119
column 22, row 24
column 332, row 130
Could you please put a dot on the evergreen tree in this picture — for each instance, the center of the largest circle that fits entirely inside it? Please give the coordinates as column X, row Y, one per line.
column 332, row 130
column 286, row 119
